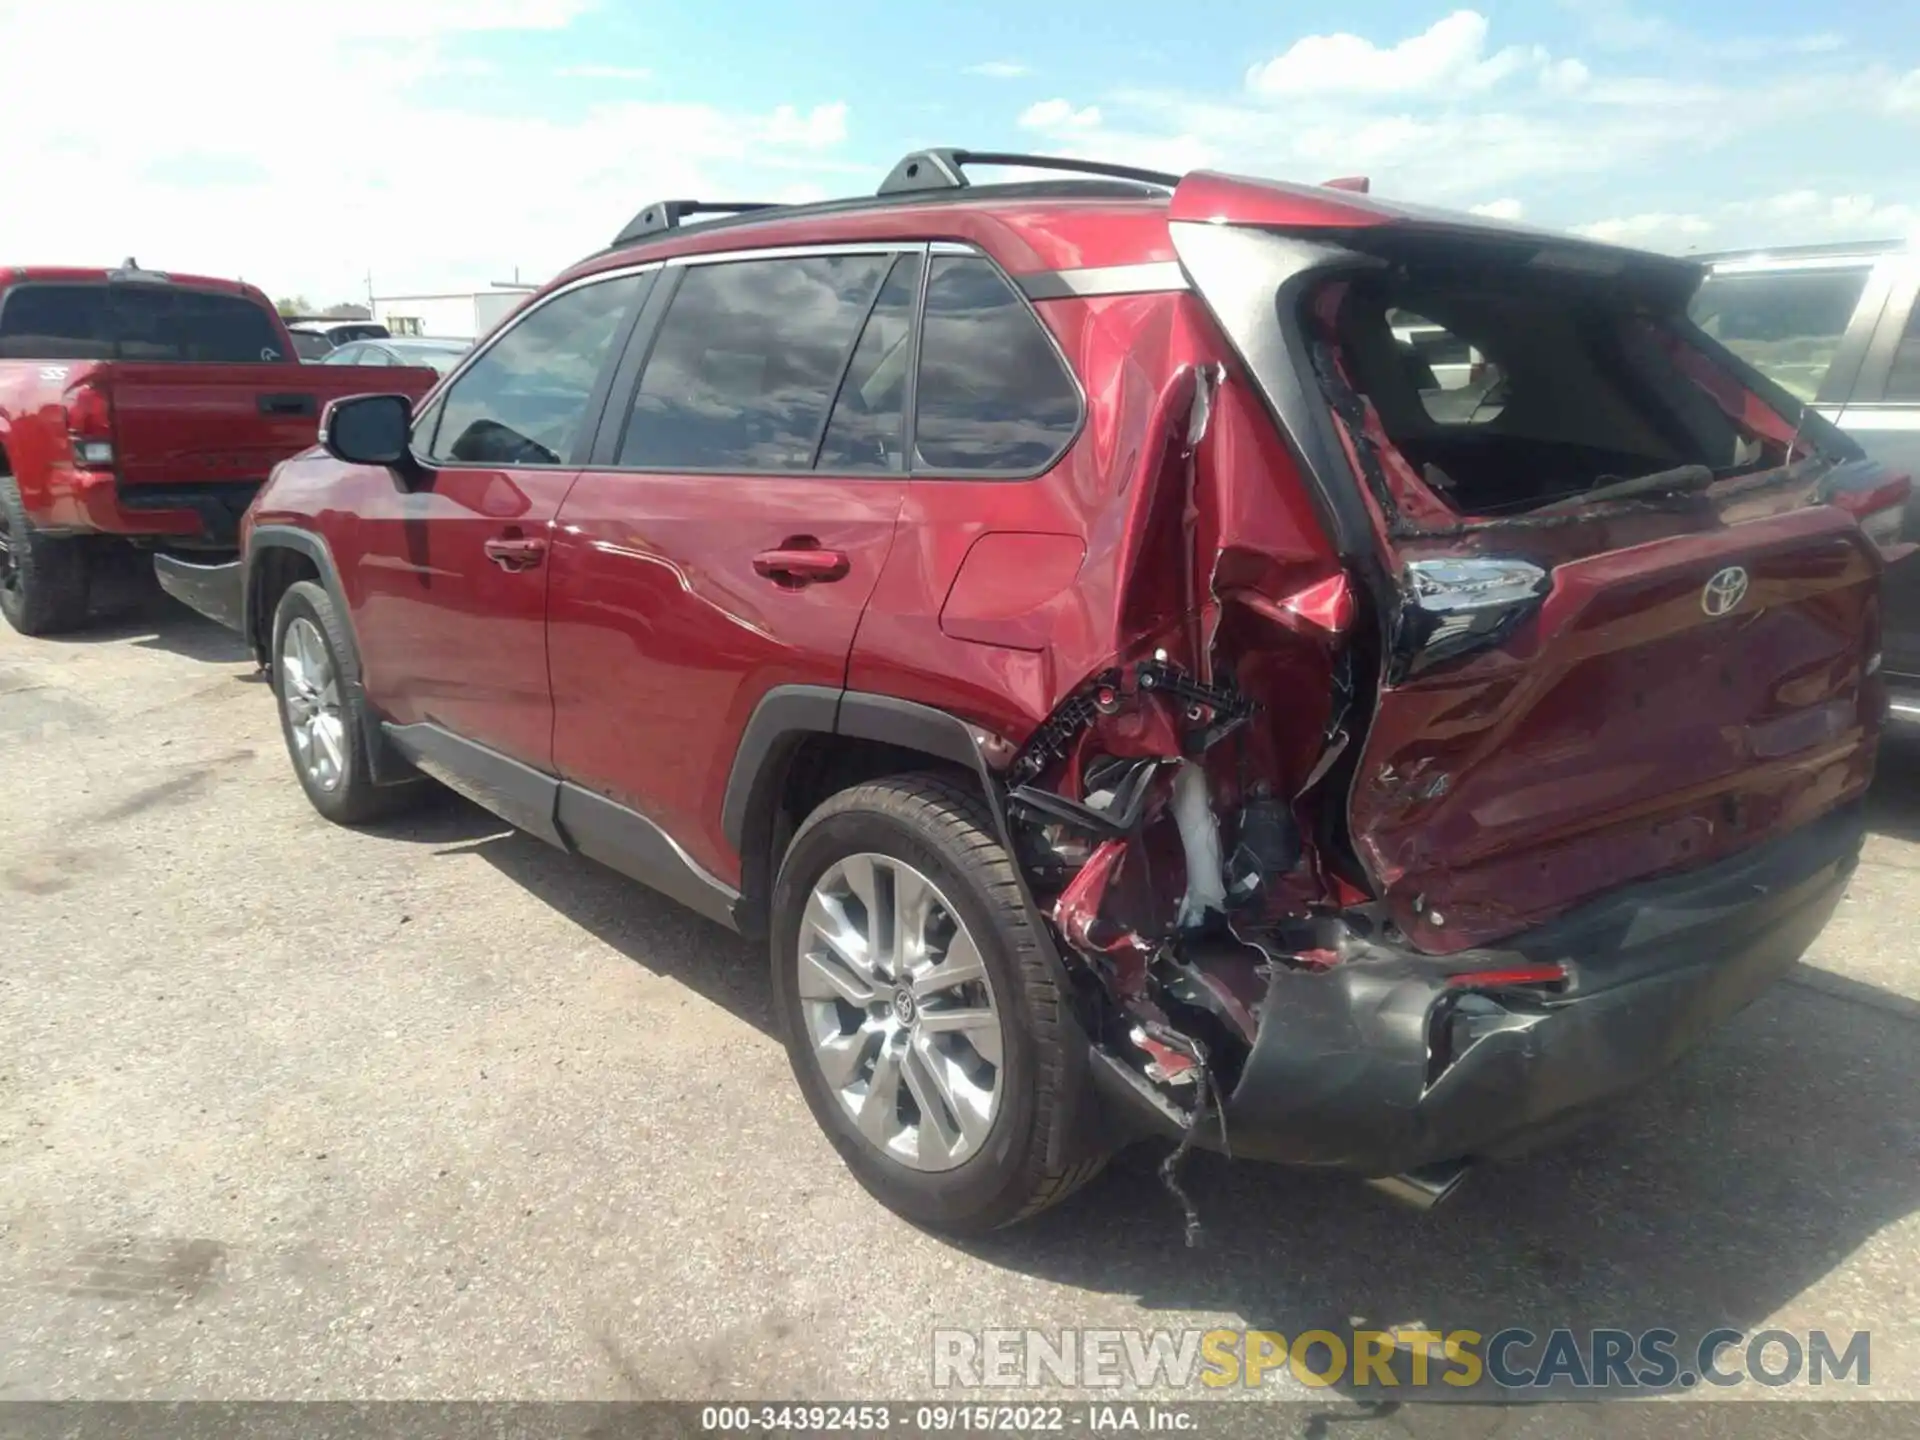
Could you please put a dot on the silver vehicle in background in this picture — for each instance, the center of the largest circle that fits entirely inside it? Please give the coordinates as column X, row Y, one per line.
column 1839, row 327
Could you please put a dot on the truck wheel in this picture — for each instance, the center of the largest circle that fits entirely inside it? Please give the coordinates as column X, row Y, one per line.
column 43, row 578
column 919, row 1012
column 315, row 677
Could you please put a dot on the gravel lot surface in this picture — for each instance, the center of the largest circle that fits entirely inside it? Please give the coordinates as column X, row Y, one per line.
column 431, row 1110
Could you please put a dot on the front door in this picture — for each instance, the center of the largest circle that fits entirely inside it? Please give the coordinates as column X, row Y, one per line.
column 453, row 574
column 732, row 531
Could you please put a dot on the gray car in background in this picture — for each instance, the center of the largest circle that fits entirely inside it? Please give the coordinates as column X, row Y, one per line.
column 1839, row 326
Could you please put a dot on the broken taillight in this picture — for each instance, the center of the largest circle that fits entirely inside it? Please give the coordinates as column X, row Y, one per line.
column 90, row 426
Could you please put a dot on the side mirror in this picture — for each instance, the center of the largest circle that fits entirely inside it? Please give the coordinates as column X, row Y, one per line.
column 371, row 430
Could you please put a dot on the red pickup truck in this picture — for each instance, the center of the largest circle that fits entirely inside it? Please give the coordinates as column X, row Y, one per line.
column 141, row 409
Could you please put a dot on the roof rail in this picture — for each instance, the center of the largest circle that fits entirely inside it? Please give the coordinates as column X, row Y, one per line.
column 667, row 215
column 943, row 169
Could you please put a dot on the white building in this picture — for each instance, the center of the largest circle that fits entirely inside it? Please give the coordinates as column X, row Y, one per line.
column 449, row 316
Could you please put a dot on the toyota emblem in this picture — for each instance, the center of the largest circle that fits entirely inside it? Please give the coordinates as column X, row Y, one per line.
column 1724, row 591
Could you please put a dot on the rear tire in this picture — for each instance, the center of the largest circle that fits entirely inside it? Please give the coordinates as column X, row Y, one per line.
column 44, row 588
column 316, row 679
column 926, row 835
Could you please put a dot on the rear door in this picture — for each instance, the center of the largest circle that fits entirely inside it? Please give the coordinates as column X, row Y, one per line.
column 740, row 505
column 1573, row 694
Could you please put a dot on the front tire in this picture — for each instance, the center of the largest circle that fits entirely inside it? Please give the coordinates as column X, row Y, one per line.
column 44, row 586
column 919, row 1010
column 316, row 675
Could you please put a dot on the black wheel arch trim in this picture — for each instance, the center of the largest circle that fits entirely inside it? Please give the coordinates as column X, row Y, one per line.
column 384, row 760
column 789, row 714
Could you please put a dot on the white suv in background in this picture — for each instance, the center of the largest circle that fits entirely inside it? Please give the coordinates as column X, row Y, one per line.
column 1838, row 325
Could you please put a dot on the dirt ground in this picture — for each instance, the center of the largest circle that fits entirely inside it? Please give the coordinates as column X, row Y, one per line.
column 430, row 1109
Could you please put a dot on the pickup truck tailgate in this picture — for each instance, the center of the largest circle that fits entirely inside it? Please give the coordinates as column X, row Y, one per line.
column 188, row 424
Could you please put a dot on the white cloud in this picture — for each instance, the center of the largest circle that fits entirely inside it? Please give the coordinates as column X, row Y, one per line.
column 998, row 69
column 1448, row 56
column 1564, row 77
column 1816, row 215
column 1653, row 230
column 604, row 72
column 1503, row 209
column 1058, row 117
column 406, row 167
column 1903, row 95
column 817, row 129
column 1616, row 25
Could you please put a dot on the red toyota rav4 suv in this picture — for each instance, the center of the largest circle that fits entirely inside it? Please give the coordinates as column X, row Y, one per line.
column 1126, row 689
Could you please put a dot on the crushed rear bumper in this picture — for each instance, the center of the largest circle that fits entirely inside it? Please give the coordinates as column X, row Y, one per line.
column 1379, row 1066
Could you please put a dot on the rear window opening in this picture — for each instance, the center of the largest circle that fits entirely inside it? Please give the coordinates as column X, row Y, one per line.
column 1500, row 391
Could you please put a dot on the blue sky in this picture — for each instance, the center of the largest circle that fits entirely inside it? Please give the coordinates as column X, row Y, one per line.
column 445, row 143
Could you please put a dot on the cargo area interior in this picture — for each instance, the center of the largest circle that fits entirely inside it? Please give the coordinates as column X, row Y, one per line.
column 1575, row 388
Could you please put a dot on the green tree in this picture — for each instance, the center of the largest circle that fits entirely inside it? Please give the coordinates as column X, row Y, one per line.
column 293, row 305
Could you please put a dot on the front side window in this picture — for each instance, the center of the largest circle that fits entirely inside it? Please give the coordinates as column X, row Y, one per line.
column 745, row 366
column 523, row 401
column 1787, row 324
column 993, row 397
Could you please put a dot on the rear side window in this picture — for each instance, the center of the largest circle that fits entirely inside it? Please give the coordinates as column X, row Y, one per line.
column 522, row 402
column 136, row 322
column 993, row 395
column 1787, row 324
column 868, row 430
column 309, row 346
column 744, row 369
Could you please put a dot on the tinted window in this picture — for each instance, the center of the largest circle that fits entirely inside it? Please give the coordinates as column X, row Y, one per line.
column 1903, row 380
column 746, row 362
column 1787, row 324
column 522, row 402
column 867, row 431
column 993, row 395
column 309, row 346
column 136, row 322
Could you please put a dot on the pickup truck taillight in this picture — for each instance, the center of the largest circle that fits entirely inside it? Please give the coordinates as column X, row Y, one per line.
column 90, row 426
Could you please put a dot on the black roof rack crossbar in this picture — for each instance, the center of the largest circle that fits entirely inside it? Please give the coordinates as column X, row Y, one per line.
column 944, row 169
column 667, row 215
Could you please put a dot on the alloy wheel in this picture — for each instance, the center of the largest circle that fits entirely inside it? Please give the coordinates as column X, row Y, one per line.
column 311, row 692
column 900, row 1011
